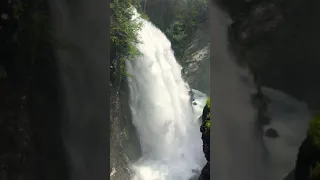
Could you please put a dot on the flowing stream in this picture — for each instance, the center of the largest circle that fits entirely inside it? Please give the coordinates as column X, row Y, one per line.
column 162, row 112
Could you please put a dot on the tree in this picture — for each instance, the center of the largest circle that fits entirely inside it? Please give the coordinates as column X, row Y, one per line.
column 123, row 35
column 189, row 15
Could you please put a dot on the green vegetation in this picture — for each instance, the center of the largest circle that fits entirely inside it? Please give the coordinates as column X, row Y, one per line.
column 208, row 107
column 314, row 130
column 206, row 118
column 205, row 127
column 207, row 124
column 308, row 160
column 123, row 30
column 123, row 35
column 178, row 34
column 185, row 21
column 206, row 111
column 315, row 172
column 208, row 102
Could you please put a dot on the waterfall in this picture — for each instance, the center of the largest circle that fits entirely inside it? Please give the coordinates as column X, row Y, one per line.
column 237, row 148
column 161, row 112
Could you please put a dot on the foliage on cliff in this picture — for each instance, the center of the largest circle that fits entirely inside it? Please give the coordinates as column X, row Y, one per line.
column 315, row 172
column 123, row 35
column 307, row 164
column 208, row 103
column 178, row 19
column 205, row 130
column 179, row 31
column 206, row 111
column 314, row 130
column 184, row 22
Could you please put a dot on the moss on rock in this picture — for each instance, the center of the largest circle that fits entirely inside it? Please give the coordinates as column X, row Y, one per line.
column 205, row 130
column 307, row 164
column 206, row 111
column 314, row 173
column 314, row 130
column 208, row 103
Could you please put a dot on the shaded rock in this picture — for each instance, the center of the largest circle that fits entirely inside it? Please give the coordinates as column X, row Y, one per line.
column 205, row 173
column 308, row 156
column 309, row 153
column 280, row 39
column 264, row 18
column 272, row 133
column 315, row 172
column 205, row 112
column 194, row 103
column 205, row 130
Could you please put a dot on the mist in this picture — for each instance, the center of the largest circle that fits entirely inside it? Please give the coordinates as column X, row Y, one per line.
column 237, row 151
column 83, row 27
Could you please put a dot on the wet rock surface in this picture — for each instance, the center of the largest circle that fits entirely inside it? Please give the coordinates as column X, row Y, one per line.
column 205, row 130
column 205, row 173
column 278, row 39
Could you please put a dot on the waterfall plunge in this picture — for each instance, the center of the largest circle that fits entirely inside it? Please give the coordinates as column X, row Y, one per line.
column 162, row 112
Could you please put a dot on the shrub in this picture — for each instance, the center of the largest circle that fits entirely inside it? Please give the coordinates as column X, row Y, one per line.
column 123, row 35
column 315, row 172
column 208, row 102
column 314, row 130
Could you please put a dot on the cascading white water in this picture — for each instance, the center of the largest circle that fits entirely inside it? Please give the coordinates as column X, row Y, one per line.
column 238, row 149
column 161, row 112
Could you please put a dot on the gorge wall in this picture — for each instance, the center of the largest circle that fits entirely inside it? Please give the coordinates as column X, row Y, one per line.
column 279, row 40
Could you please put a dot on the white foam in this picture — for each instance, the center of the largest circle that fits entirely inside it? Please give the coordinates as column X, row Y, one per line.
column 161, row 112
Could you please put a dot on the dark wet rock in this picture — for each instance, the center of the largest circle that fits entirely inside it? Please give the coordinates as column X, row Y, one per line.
column 205, row 173
column 279, row 39
column 263, row 18
column 205, row 130
column 272, row 133
column 205, row 112
column 309, row 154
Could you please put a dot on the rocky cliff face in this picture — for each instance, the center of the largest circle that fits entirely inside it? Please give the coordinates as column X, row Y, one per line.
column 196, row 58
column 124, row 143
column 278, row 39
column 205, row 130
